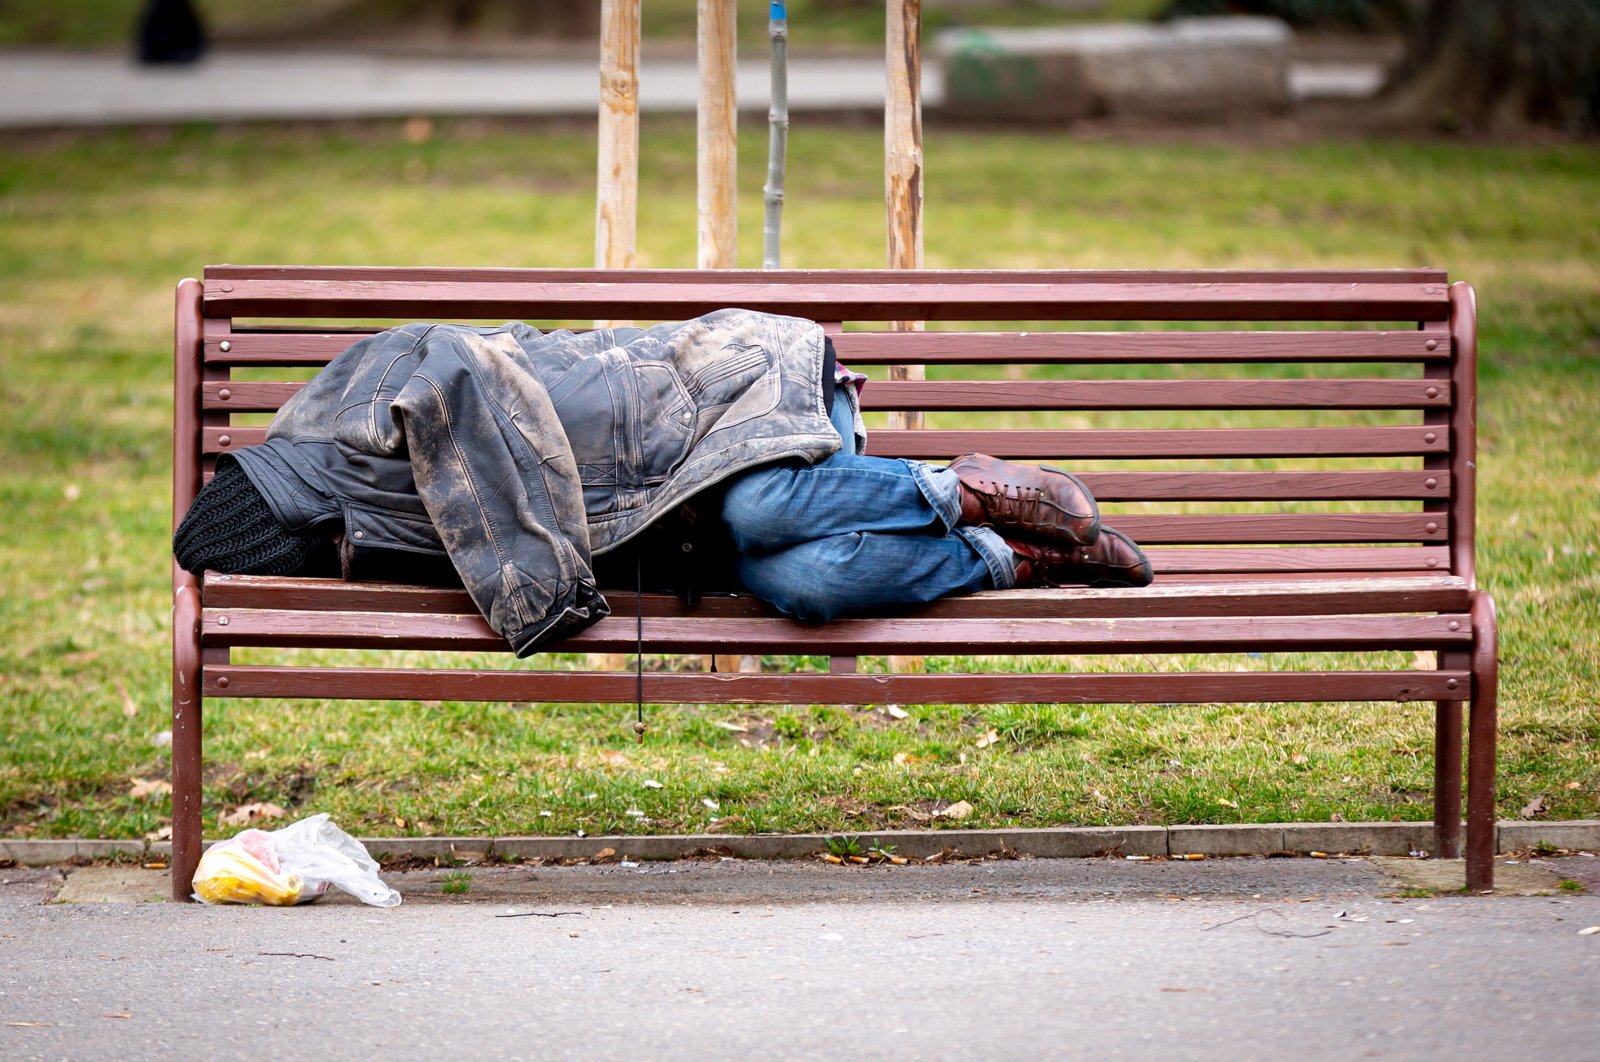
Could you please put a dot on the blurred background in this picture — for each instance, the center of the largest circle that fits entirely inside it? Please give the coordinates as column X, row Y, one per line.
column 141, row 141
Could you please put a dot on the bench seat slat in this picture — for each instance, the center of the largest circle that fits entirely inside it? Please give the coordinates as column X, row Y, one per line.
column 967, row 395
column 289, row 347
column 332, row 630
column 1194, row 687
column 1427, row 593
column 927, row 299
column 1202, row 561
column 1108, row 444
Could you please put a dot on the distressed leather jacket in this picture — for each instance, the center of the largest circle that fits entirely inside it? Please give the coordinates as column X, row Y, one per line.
column 516, row 455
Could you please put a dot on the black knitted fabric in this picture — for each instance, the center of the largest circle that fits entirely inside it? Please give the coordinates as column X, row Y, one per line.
column 230, row 528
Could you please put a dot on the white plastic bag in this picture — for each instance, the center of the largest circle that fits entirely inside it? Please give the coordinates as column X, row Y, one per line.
column 289, row 866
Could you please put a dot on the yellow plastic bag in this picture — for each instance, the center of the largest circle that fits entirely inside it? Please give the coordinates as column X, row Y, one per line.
column 293, row 865
column 230, row 874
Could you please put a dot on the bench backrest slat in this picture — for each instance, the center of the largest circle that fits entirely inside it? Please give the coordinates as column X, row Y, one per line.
column 1235, row 445
column 284, row 347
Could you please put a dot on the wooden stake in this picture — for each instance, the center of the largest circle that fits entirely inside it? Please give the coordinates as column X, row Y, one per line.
column 617, row 207
column 617, row 182
column 902, row 178
column 717, row 128
column 902, row 163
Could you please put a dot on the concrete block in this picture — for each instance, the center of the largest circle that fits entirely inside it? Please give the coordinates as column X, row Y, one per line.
column 1183, row 68
column 1251, row 839
column 1081, row 842
column 1576, row 834
column 38, row 853
column 444, row 849
column 1369, row 838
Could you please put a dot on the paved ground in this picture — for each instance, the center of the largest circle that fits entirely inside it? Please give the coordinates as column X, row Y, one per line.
column 1224, row 959
column 46, row 89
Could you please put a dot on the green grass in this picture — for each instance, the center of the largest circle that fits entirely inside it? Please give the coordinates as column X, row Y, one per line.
column 109, row 23
column 94, row 232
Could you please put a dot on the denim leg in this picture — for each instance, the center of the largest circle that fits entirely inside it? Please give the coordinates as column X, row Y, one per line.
column 855, row 534
column 860, row 573
column 784, row 504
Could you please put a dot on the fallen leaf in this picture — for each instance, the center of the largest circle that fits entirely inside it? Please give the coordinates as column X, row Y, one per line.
column 129, row 709
column 1534, row 807
column 1299, row 757
column 245, row 814
column 712, row 804
column 144, row 788
column 1225, row 802
column 897, row 712
column 991, row 738
column 959, row 810
column 1591, row 931
column 737, row 728
column 400, row 822
column 605, row 853
column 1574, row 785
column 119, row 1014
column 651, row 783
column 29, row 1025
column 163, row 834
column 613, row 758
column 162, row 739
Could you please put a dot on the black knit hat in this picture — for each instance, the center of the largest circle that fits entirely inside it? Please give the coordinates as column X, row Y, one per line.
column 230, row 528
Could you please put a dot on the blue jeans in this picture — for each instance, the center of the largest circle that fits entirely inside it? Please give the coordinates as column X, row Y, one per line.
column 854, row 534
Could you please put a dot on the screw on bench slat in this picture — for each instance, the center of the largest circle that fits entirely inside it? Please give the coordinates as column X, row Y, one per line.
column 225, row 346
column 1430, row 483
column 224, row 394
column 224, row 440
column 1432, row 344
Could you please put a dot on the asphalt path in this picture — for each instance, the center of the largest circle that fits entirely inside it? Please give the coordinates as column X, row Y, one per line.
column 44, row 89
column 1227, row 959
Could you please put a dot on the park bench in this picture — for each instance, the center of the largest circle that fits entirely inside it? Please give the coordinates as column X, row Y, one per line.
column 1296, row 453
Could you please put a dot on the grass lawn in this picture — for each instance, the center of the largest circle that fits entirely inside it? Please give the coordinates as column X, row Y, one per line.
column 94, row 232
column 109, row 23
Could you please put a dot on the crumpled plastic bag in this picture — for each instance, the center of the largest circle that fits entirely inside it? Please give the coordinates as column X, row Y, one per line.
column 293, row 865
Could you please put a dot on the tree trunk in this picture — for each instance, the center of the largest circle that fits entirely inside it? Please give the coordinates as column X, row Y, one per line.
column 1483, row 64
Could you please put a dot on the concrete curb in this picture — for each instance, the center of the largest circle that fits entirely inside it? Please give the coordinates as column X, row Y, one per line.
column 1369, row 838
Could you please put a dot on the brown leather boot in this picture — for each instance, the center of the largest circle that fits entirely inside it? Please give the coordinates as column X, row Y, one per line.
column 1022, row 501
column 1113, row 560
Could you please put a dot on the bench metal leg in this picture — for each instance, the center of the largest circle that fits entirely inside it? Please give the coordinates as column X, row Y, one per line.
column 186, row 826
column 1447, row 766
column 1482, row 726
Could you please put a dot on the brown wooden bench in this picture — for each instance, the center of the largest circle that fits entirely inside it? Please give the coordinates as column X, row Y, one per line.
column 1332, row 513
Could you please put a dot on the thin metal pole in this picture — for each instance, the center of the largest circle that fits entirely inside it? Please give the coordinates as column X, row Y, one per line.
column 717, row 134
column 778, row 137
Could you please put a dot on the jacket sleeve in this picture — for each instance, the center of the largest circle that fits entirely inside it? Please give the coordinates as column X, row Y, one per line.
column 498, row 479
